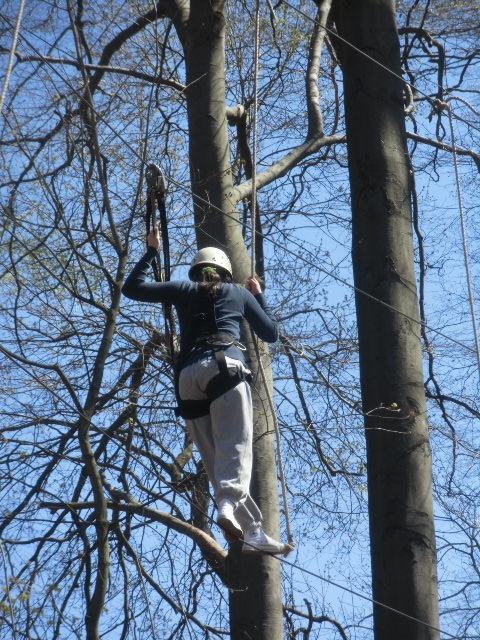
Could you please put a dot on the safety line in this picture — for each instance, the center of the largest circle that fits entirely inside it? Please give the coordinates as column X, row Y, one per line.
column 253, row 198
column 298, row 257
column 11, row 56
column 293, row 565
column 185, row 497
column 198, row 198
column 335, row 277
column 362, row 53
column 273, row 413
column 464, row 236
column 365, row 597
column 437, row 104
column 253, row 233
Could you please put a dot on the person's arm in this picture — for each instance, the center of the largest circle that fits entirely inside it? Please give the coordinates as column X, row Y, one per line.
column 259, row 315
column 137, row 286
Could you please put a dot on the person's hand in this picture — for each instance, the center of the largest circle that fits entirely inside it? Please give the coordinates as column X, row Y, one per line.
column 253, row 286
column 153, row 239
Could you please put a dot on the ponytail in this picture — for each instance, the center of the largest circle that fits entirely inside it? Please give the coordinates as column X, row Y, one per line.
column 209, row 281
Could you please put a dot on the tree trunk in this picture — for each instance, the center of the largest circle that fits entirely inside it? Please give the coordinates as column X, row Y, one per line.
column 255, row 612
column 209, row 151
column 398, row 451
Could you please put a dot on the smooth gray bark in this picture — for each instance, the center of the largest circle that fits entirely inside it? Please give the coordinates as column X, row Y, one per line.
column 398, row 451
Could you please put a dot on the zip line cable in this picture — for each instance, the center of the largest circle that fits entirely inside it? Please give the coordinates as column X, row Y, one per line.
column 314, row 264
column 201, row 200
column 362, row 53
column 364, row 597
column 331, row 274
column 11, row 56
column 436, row 103
column 317, row 267
column 294, row 565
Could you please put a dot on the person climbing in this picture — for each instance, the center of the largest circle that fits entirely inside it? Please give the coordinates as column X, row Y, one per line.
column 212, row 380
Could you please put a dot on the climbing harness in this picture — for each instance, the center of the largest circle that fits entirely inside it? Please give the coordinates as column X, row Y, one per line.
column 207, row 337
column 217, row 386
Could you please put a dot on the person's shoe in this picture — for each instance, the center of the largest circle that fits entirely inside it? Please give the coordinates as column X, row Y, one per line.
column 226, row 520
column 257, row 542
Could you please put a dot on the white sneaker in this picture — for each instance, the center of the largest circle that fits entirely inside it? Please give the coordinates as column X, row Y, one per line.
column 226, row 519
column 256, row 541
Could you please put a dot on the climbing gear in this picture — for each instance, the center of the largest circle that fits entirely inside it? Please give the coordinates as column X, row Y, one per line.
column 211, row 257
column 218, row 385
column 253, row 199
column 226, row 519
column 156, row 199
column 291, row 543
column 207, row 338
column 254, row 253
column 156, row 191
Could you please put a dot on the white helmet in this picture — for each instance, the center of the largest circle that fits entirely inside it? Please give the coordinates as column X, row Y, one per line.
column 211, row 257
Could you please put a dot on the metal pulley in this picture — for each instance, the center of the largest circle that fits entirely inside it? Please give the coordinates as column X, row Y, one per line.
column 154, row 177
column 156, row 191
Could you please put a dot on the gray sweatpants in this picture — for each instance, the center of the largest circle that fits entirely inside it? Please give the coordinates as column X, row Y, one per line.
column 224, row 437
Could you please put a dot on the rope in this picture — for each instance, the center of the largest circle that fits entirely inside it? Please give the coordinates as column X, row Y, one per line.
column 368, row 598
column 12, row 54
column 300, row 256
column 150, row 218
column 256, row 58
column 184, row 497
column 313, row 263
column 464, row 235
column 291, row 544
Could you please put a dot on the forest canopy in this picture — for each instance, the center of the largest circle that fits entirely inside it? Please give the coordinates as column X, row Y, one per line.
column 94, row 92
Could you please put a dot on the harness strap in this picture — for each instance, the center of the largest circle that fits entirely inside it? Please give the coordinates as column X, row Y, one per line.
column 218, row 385
column 156, row 190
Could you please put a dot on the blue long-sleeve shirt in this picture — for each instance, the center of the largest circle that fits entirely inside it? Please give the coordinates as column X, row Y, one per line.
column 232, row 304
